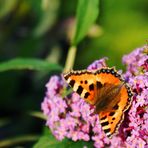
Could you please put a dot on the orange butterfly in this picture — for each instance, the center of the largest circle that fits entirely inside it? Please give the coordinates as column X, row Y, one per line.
column 107, row 91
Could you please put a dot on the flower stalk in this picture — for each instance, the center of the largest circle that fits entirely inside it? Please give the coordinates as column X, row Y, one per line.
column 70, row 58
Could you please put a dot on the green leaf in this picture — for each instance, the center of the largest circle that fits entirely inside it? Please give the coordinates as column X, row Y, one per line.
column 48, row 140
column 79, row 144
column 38, row 115
column 87, row 12
column 17, row 140
column 28, row 63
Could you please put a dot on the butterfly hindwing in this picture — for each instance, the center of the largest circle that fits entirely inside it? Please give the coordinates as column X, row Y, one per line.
column 111, row 120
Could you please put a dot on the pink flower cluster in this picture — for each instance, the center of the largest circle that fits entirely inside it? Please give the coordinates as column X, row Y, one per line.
column 69, row 116
column 137, row 76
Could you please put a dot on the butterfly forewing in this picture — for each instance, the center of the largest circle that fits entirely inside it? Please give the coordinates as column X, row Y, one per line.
column 83, row 82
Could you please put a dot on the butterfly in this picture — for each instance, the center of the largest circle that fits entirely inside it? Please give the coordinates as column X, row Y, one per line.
column 107, row 91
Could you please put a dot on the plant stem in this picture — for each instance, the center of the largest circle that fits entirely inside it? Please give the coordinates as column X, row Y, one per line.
column 70, row 58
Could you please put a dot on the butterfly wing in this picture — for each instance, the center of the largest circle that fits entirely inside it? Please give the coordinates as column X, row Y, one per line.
column 89, row 84
column 83, row 82
column 111, row 120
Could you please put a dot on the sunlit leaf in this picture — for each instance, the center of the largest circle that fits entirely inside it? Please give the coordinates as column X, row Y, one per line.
column 28, row 63
column 87, row 12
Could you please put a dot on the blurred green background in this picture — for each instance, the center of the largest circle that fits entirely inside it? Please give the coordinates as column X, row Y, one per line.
column 42, row 29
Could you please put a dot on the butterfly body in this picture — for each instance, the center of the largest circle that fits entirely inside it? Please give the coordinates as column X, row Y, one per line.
column 107, row 91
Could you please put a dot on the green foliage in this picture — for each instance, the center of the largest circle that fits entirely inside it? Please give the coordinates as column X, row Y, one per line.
column 48, row 18
column 15, row 140
column 48, row 140
column 87, row 12
column 30, row 64
column 6, row 7
column 4, row 122
column 124, row 27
